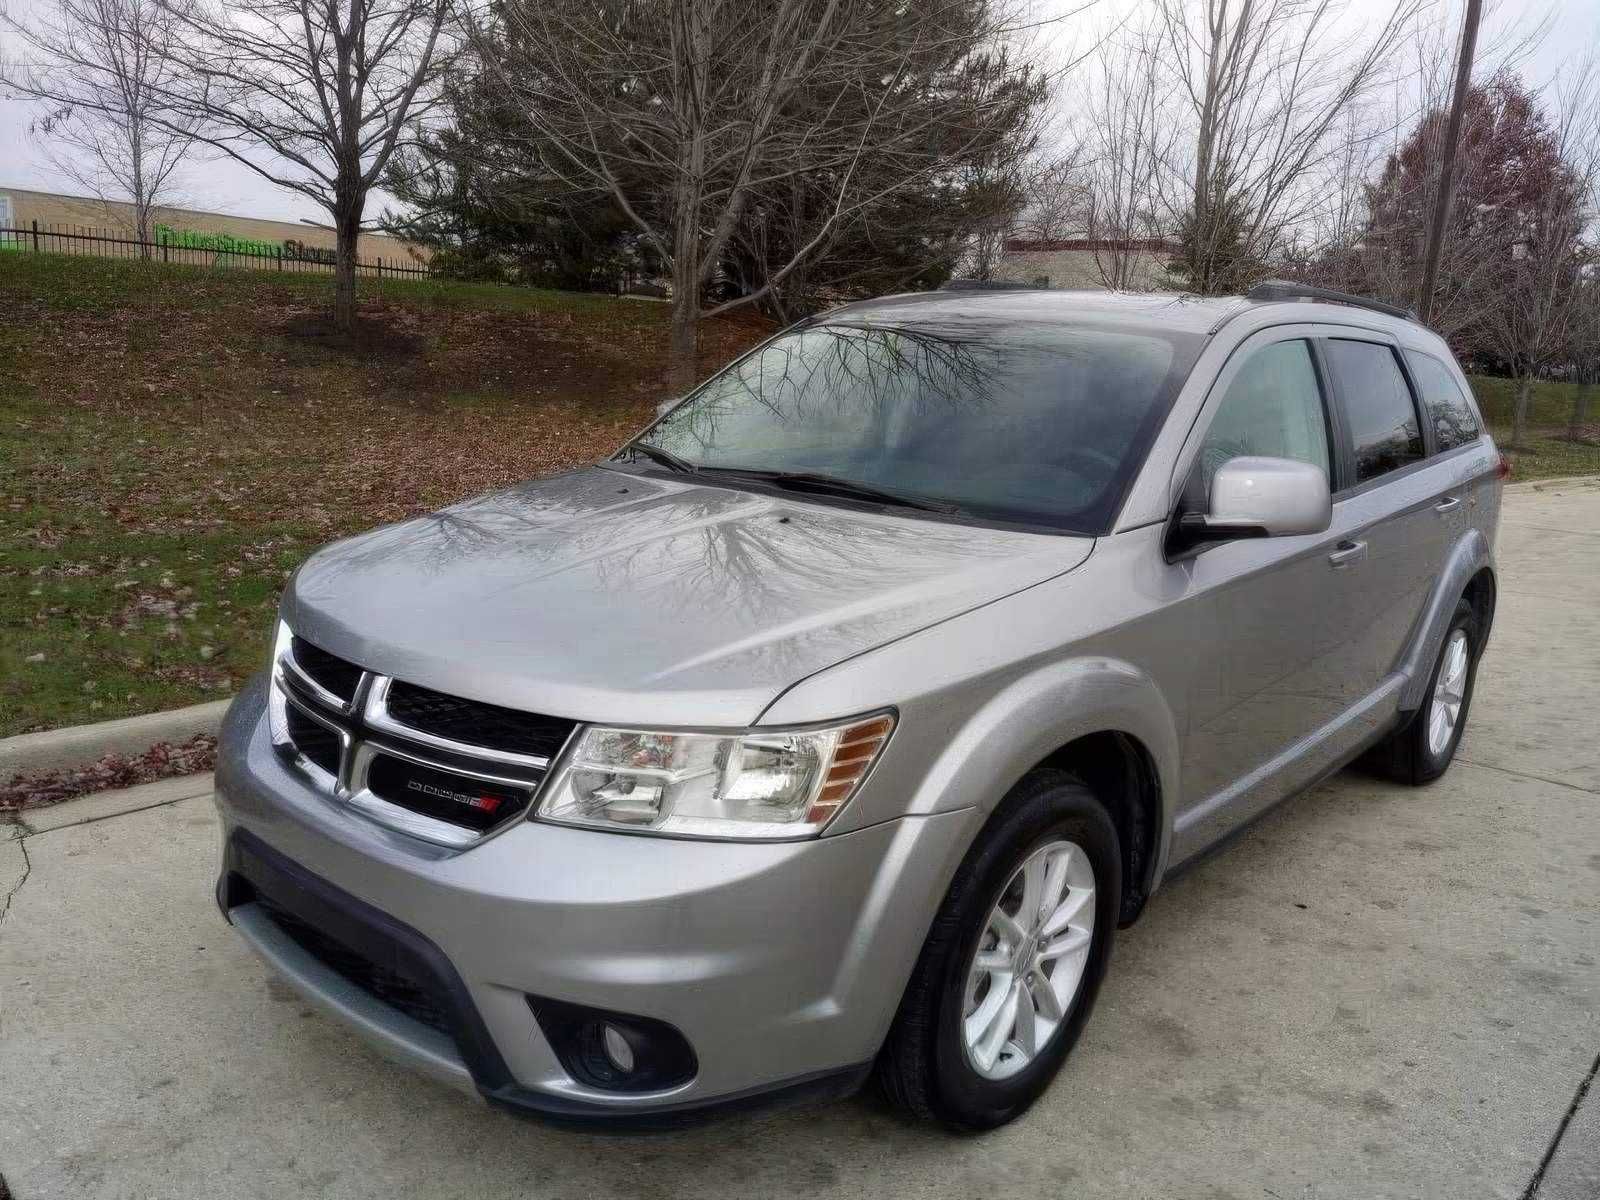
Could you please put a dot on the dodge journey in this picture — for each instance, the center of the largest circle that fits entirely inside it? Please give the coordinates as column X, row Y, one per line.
column 832, row 727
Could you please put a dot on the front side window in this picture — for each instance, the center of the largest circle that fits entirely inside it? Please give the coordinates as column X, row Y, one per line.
column 1041, row 424
column 1383, row 420
column 1272, row 408
column 1454, row 422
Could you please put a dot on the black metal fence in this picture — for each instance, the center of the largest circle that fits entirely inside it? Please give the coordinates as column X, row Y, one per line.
column 203, row 250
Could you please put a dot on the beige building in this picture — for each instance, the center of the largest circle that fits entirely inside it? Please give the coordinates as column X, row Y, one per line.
column 1085, row 263
column 20, row 208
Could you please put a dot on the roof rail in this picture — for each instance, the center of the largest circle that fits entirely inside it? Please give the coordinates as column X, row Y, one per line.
column 988, row 285
column 1285, row 289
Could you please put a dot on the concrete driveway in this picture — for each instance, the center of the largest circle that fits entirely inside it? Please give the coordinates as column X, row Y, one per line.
column 1376, row 992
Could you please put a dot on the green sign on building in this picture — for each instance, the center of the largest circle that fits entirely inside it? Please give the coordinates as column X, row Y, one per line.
column 226, row 243
column 223, row 243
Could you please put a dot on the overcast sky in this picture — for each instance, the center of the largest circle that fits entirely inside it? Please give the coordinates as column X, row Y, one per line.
column 226, row 186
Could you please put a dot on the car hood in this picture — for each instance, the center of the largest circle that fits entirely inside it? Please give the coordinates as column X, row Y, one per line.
column 608, row 596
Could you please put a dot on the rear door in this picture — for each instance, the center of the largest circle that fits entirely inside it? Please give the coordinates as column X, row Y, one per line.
column 1454, row 429
column 1399, row 521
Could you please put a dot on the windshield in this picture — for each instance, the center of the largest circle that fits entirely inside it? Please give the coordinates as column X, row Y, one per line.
column 1041, row 424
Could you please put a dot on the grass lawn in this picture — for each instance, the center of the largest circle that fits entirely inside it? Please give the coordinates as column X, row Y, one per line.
column 1548, row 453
column 174, row 440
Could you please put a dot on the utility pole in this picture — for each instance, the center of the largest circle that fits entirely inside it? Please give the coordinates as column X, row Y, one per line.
column 1447, row 166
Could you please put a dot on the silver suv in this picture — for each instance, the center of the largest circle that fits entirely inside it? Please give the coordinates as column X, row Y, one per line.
column 835, row 724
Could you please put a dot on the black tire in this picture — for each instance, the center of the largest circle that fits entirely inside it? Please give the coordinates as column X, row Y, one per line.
column 1405, row 756
column 923, row 1067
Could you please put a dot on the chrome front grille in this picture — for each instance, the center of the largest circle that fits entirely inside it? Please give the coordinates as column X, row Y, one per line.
column 471, row 721
column 328, row 671
column 442, row 768
column 318, row 742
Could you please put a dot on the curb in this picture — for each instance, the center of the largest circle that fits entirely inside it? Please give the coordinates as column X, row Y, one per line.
column 80, row 745
column 115, row 803
column 1544, row 485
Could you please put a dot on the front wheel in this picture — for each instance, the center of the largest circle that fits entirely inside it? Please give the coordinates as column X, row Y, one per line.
column 1011, row 967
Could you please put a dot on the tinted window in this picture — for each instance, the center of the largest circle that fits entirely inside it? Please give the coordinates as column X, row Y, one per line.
column 1383, row 419
column 1273, row 407
column 1040, row 423
column 1454, row 422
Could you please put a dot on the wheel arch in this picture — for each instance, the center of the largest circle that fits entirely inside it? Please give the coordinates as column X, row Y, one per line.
column 1101, row 718
column 1467, row 572
column 1120, row 770
column 1482, row 592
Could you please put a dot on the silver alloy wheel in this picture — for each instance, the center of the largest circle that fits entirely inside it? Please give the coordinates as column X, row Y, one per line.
column 1030, row 960
column 1448, row 692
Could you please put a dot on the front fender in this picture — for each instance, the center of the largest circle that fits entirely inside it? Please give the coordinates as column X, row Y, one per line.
column 965, row 748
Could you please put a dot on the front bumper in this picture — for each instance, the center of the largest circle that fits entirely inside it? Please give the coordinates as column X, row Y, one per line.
column 781, row 963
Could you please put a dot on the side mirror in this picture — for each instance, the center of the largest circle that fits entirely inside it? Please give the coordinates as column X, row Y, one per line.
column 1263, row 497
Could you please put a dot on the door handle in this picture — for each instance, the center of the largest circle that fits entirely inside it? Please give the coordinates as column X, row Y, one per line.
column 1346, row 553
column 1447, row 505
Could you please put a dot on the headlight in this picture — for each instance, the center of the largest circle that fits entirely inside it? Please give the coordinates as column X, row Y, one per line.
column 761, row 784
column 281, row 638
column 277, row 709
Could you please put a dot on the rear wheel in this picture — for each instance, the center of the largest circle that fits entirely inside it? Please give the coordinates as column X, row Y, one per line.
column 1012, row 964
column 1422, row 749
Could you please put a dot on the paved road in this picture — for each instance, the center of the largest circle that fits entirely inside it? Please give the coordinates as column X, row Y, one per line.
column 1376, row 992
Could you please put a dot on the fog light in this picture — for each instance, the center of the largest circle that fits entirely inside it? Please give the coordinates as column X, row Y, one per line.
column 617, row 1049
column 613, row 1051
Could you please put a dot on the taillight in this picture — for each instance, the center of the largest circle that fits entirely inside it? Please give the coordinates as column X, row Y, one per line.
column 1502, row 469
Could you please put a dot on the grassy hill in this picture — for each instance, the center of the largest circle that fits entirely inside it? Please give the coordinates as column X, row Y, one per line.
column 174, row 440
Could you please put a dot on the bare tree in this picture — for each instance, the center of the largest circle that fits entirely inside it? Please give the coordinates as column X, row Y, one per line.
column 1056, row 194
column 1263, row 84
column 1131, row 137
column 1502, row 131
column 1328, row 247
column 99, row 69
column 1538, row 287
column 313, row 96
column 689, row 112
column 1585, row 353
column 997, row 195
column 1366, row 231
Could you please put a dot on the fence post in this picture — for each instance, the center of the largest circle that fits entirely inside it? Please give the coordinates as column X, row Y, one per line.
column 280, row 258
column 163, row 249
column 380, row 266
column 36, row 235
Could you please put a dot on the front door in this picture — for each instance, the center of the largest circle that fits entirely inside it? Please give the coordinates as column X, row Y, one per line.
column 1275, row 618
column 1393, row 496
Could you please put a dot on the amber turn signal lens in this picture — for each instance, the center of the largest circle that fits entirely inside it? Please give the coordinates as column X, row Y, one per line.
column 852, row 757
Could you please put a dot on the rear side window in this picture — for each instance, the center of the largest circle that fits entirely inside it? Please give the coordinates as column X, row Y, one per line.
column 1274, row 408
column 1454, row 422
column 1377, row 403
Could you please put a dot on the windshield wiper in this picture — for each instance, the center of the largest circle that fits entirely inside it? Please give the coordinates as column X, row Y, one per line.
column 813, row 481
column 665, row 457
column 806, row 481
